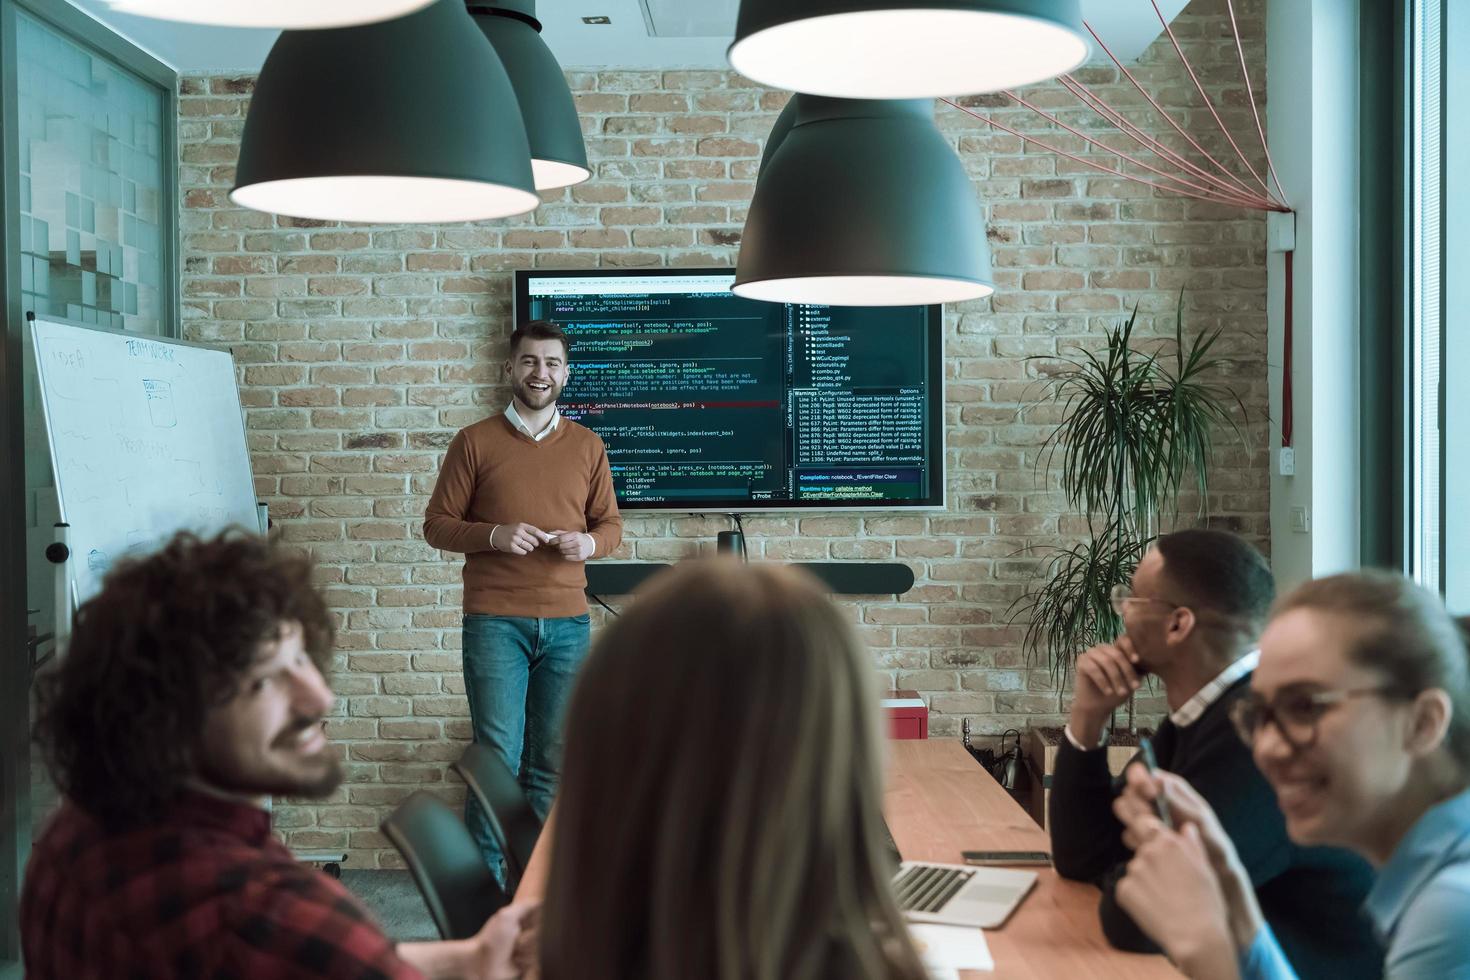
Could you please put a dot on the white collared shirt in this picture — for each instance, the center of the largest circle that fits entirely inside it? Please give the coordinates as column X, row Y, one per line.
column 1190, row 711
column 521, row 426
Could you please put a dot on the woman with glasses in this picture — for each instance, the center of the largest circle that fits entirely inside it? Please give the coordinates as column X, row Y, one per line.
column 1359, row 717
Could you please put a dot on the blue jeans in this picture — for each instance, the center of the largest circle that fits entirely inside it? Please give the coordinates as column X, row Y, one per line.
column 518, row 675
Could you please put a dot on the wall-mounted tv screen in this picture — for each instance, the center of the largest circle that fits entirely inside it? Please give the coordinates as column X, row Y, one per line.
column 710, row 402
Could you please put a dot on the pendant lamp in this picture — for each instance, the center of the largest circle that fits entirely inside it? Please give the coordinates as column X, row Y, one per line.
column 286, row 14
column 558, row 155
column 409, row 120
column 906, row 49
column 862, row 203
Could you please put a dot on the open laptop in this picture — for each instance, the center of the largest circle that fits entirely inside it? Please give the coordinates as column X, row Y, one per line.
column 959, row 895
column 956, row 894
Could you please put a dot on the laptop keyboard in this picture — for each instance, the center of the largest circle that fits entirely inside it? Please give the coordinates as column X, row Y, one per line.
column 927, row 889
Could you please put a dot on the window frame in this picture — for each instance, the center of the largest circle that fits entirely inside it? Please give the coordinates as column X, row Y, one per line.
column 1455, row 334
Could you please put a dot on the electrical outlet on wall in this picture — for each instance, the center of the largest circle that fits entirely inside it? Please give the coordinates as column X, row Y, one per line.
column 1286, row 461
column 1301, row 520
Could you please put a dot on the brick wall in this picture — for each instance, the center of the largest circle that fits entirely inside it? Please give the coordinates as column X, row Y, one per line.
column 363, row 349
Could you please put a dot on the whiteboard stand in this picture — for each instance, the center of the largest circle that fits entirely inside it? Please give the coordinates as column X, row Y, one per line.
column 58, row 552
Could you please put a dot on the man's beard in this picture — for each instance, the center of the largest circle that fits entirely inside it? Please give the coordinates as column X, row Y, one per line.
column 536, row 399
column 313, row 787
column 313, row 777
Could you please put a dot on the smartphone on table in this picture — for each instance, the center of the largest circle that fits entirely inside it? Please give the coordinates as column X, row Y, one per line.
column 1008, row 859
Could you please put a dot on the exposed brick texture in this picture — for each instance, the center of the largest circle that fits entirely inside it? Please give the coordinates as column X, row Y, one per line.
column 362, row 349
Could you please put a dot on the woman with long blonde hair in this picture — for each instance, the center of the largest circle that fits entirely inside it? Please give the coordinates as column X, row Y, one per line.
column 720, row 812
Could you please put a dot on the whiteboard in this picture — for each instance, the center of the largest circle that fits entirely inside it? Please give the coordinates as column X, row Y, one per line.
column 147, row 438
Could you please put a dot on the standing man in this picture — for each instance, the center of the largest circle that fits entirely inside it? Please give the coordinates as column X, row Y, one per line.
column 527, row 497
column 1197, row 603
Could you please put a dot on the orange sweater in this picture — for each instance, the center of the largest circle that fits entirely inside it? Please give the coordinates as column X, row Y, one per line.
column 493, row 474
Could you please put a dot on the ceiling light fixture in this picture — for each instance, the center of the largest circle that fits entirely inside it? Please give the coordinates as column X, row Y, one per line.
column 374, row 124
column 862, row 203
column 906, row 49
column 558, row 154
column 285, row 14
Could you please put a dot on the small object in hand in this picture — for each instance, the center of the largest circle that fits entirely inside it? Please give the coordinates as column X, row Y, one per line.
column 1151, row 763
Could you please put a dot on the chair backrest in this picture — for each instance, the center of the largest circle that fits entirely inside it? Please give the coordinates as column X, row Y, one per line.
column 446, row 864
column 512, row 821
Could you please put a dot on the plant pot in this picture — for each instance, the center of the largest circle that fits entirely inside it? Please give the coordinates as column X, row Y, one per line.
column 1039, row 748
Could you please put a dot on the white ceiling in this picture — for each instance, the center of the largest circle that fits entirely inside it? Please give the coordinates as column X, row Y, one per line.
column 642, row 33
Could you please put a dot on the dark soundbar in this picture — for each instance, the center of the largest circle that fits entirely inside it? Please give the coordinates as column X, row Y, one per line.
column 842, row 577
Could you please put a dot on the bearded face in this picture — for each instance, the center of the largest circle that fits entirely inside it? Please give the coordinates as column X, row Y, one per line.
column 538, row 372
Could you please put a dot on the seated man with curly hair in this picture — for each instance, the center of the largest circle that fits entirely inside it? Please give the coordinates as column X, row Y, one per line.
column 191, row 691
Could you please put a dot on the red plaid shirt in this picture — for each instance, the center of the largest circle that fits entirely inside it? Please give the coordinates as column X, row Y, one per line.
column 205, row 891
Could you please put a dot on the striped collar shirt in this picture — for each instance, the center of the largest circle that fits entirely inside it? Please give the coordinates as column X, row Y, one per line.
column 1190, row 711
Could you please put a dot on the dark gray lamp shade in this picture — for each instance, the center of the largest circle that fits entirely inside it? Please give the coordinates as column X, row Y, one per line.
column 291, row 14
column 558, row 155
column 862, row 203
column 906, row 49
column 408, row 120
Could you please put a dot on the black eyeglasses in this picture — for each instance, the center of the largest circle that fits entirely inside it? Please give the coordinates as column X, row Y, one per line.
column 1296, row 714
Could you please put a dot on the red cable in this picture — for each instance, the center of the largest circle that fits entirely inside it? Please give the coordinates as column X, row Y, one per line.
column 1237, row 201
column 1286, row 364
column 1115, row 118
column 1251, row 98
column 1119, row 153
column 1209, row 103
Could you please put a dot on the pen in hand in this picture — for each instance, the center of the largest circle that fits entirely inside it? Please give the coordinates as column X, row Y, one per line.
column 1151, row 763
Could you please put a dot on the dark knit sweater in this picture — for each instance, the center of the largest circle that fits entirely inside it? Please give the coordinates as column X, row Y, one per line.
column 1311, row 896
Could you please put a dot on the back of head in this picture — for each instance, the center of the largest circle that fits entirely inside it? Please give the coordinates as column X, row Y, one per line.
column 1218, row 572
column 720, row 806
column 1402, row 630
column 166, row 639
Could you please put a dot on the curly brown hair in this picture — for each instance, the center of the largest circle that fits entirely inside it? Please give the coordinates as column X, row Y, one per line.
column 166, row 639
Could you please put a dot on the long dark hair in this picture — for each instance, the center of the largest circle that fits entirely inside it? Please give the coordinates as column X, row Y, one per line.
column 168, row 637
column 721, row 800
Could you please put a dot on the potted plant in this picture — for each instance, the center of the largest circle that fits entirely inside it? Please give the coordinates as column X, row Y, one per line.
column 1140, row 417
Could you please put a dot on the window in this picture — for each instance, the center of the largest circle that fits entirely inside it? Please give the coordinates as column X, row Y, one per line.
column 1426, row 251
column 1438, row 335
column 92, row 185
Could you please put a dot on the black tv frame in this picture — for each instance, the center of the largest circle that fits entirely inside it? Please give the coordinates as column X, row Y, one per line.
column 934, row 500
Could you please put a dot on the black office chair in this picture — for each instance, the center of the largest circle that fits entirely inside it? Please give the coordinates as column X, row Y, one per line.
column 514, row 824
column 446, row 864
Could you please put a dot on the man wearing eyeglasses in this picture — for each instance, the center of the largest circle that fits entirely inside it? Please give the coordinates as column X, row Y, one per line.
column 1191, row 616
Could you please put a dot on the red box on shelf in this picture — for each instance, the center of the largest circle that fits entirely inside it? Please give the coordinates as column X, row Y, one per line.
column 908, row 716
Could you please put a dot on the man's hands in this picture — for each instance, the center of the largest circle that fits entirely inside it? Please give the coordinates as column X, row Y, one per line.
column 1106, row 676
column 503, row 945
column 522, row 539
column 573, row 545
column 518, row 539
column 503, row 949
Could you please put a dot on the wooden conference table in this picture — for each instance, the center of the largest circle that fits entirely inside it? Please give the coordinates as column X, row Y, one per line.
column 939, row 803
